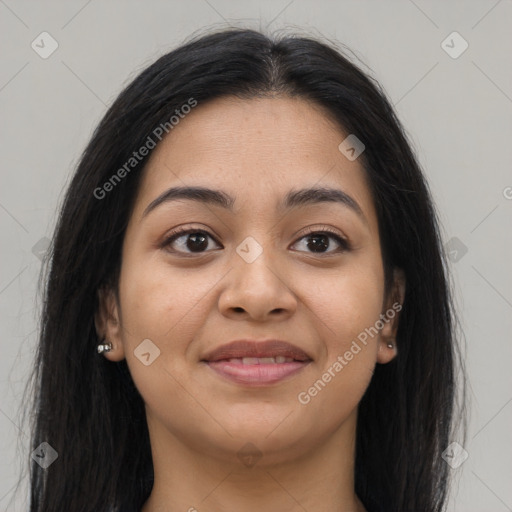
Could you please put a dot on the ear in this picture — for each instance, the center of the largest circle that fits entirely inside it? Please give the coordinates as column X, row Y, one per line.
column 108, row 325
column 390, row 317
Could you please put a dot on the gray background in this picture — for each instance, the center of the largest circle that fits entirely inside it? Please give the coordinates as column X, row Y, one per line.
column 457, row 112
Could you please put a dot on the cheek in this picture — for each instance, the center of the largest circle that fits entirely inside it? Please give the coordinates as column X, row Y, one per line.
column 347, row 301
column 161, row 305
column 348, row 305
column 348, row 313
column 156, row 299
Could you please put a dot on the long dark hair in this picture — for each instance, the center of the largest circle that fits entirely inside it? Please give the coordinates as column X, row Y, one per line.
column 88, row 408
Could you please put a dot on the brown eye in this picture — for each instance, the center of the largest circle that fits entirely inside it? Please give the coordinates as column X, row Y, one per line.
column 319, row 242
column 188, row 241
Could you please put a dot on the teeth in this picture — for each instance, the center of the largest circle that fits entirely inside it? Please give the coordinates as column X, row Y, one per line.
column 250, row 360
column 261, row 360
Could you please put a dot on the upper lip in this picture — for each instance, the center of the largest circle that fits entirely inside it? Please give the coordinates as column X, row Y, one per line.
column 252, row 348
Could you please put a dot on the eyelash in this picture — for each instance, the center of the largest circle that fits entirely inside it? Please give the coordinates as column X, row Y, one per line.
column 325, row 230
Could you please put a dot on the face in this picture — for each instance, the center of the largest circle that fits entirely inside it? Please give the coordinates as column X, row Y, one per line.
column 265, row 266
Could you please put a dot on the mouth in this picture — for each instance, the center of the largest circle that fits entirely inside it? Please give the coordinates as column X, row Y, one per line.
column 256, row 363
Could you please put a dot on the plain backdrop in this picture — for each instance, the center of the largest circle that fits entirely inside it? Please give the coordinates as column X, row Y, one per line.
column 455, row 102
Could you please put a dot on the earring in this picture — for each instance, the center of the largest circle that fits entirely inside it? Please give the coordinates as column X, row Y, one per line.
column 390, row 345
column 104, row 347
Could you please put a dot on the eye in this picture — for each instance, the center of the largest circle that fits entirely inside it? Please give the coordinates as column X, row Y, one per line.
column 319, row 240
column 193, row 240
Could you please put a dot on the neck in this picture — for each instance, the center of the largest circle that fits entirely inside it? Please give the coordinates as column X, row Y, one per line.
column 321, row 480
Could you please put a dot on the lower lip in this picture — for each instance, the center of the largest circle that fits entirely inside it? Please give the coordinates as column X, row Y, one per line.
column 256, row 373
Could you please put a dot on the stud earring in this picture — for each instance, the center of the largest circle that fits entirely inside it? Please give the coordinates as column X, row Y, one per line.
column 102, row 347
column 390, row 345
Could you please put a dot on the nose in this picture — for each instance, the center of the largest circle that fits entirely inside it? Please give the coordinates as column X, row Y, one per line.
column 257, row 291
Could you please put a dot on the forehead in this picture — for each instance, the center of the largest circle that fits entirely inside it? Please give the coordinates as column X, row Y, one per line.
column 256, row 150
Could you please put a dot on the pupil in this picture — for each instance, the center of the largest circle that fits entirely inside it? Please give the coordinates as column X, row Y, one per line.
column 194, row 245
column 316, row 244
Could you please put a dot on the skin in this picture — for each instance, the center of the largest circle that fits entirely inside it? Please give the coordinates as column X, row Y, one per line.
column 257, row 151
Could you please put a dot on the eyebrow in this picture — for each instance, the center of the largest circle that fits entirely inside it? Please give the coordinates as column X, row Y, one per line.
column 293, row 199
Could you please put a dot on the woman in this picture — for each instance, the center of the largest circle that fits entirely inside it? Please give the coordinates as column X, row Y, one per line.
column 247, row 306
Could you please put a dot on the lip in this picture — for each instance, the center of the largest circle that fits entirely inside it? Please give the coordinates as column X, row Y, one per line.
column 252, row 348
column 227, row 361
